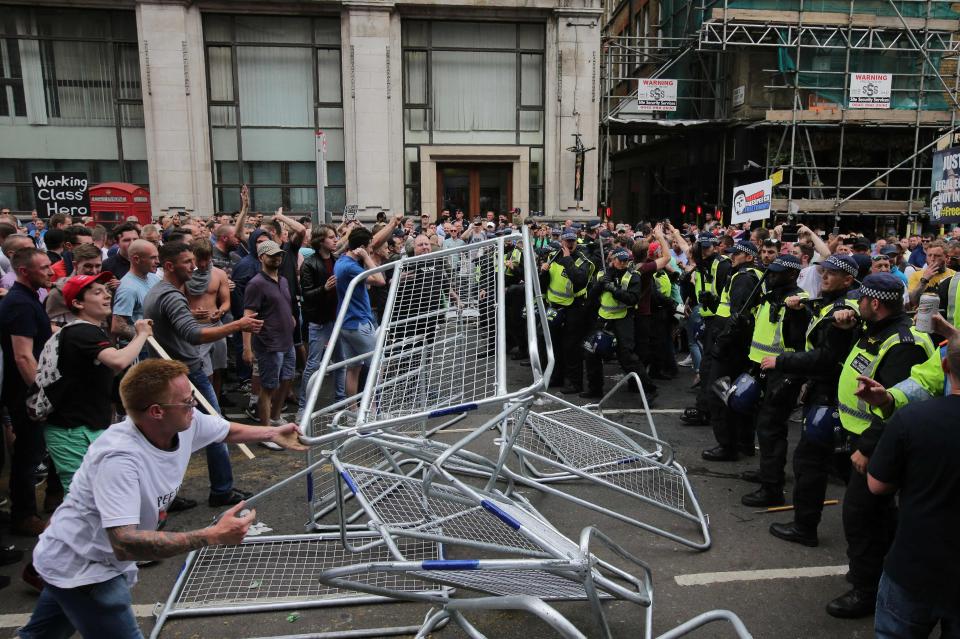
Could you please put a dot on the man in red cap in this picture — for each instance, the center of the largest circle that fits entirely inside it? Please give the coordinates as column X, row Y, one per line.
column 87, row 363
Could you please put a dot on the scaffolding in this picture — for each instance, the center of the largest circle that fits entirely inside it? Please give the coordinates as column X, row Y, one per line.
column 779, row 70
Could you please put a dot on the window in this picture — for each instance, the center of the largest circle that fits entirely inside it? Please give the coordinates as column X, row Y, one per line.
column 274, row 82
column 472, row 83
column 70, row 98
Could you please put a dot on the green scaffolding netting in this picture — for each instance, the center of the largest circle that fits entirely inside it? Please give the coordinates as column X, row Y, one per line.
column 824, row 74
column 682, row 18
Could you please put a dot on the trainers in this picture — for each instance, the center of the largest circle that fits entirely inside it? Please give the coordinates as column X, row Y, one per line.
column 686, row 361
column 181, row 503
column 232, row 498
column 251, row 412
column 10, row 555
column 271, row 445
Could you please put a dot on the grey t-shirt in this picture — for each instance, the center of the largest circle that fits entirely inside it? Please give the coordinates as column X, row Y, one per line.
column 173, row 324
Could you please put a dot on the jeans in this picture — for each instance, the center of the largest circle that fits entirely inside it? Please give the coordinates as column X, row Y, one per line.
column 902, row 616
column 96, row 610
column 218, row 459
column 318, row 337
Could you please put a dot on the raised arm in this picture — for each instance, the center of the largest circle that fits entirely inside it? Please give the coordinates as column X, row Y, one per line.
column 244, row 210
column 818, row 244
column 384, row 234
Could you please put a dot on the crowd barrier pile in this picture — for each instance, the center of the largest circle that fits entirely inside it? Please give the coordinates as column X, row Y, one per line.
column 395, row 515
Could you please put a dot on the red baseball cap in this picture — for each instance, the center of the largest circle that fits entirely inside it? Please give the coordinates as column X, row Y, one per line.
column 653, row 248
column 73, row 286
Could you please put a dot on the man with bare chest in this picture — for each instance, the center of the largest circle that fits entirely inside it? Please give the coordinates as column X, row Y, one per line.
column 208, row 294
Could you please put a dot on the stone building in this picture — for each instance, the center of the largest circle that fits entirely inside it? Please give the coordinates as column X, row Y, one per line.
column 423, row 104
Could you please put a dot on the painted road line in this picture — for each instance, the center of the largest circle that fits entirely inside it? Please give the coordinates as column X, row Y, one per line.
column 707, row 578
column 18, row 620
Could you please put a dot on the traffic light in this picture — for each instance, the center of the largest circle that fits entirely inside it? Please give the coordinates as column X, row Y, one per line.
column 609, row 212
column 683, row 209
column 699, row 210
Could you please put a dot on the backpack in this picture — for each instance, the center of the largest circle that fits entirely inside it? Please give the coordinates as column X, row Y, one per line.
column 46, row 391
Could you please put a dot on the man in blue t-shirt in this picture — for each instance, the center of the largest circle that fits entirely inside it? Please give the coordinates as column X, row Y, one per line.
column 358, row 332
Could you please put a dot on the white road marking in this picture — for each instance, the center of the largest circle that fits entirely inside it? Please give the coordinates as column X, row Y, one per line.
column 18, row 620
column 706, row 578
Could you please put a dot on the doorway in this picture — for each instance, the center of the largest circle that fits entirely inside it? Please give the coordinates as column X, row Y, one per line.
column 475, row 188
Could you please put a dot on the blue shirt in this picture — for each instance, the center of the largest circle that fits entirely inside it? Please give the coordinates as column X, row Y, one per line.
column 895, row 270
column 359, row 310
column 128, row 301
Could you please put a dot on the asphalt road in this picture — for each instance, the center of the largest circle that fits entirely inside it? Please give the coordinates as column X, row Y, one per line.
column 778, row 589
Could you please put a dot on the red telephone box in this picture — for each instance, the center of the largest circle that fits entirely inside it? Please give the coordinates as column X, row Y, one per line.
column 112, row 203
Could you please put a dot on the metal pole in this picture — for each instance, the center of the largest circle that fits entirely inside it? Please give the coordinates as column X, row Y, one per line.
column 321, row 211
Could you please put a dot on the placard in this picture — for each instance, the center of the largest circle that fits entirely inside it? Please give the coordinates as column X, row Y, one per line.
column 945, row 186
column 752, row 202
column 61, row 192
column 870, row 90
column 657, row 94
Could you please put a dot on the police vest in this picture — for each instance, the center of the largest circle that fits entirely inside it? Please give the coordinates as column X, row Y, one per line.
column 610, row 307
column 709, row 286
column 855, row 413
column 927, row 380
column 953, row 308
column 512, row 256
column 560, row 289
column 664, row 285
column 768, row 332
column 825, row 314
column 723, row 310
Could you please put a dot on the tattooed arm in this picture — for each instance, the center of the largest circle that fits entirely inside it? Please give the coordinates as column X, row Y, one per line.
column 132, row 544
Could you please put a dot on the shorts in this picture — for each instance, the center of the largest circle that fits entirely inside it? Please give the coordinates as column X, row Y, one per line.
column 214, row 356
column 359, row 341
column 276, row 367
column 67, row 446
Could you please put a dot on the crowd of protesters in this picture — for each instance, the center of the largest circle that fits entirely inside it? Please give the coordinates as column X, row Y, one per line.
column 247, row 302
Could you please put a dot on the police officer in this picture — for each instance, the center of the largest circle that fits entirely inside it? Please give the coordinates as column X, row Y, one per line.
column 826, row 348
column 778, row 329
column 888, row 348
column 565, row 276
column 590, row 245
column 615, row 294
column 513, row 294
column 729, row 349
column 709, row 279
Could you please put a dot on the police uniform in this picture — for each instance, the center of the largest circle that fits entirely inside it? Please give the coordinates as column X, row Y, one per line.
column 886, row 352
column 566, row 283
column 778, row 329
column 709, row 280
column 728, row 349
column 615, row 295
column 514, row 297
column 825, row 350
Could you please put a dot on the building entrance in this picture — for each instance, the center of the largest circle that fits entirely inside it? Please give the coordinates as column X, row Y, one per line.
column 475, row 188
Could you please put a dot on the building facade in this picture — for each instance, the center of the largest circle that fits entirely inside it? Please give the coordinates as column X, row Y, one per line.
column 423, row 105
column 769, row 88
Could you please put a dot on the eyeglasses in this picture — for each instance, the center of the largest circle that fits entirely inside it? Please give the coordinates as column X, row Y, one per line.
column 189, row 404
column 877, row 258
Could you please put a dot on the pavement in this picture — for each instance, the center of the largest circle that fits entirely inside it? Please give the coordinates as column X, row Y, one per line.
column 778, row 589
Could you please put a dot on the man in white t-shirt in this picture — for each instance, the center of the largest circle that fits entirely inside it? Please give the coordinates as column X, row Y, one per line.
column 87, row 555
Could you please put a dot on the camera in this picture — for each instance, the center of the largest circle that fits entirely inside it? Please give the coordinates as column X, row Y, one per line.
column 790, row 233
